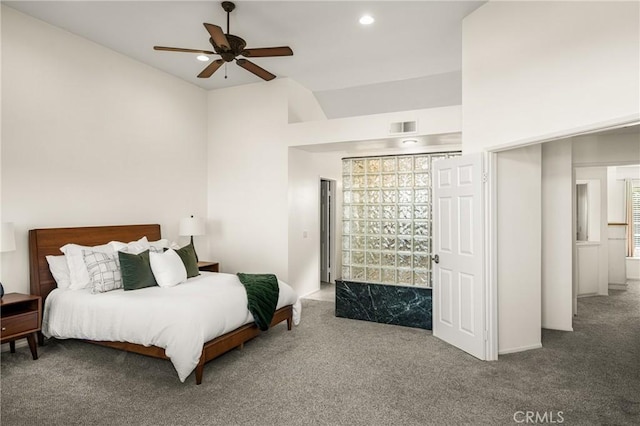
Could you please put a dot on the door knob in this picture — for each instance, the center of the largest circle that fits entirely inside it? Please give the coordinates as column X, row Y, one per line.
column 436, row 258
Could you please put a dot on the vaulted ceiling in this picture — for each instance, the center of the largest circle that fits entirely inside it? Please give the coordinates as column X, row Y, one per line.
column 409, row 58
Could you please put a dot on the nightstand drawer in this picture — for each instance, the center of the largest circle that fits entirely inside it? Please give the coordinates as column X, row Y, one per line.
column 19, row 323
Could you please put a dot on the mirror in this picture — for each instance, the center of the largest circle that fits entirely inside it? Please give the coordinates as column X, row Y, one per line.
column 588, row 210
column 582, row 212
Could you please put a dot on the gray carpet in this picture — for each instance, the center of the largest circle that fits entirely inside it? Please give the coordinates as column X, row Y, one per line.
column 337, row 371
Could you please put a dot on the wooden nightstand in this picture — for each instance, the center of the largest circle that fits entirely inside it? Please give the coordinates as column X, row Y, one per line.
column 20, row 316
column 209, row 266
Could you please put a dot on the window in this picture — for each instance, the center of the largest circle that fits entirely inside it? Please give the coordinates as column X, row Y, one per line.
column 386, row 227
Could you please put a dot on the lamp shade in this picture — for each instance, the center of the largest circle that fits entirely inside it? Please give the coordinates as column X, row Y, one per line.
column 190, row 226
column 7, row 237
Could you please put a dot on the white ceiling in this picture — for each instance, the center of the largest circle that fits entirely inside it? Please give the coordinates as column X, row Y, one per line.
column 332, row 51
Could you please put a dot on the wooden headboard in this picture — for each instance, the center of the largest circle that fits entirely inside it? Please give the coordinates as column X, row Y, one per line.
column 44, row 242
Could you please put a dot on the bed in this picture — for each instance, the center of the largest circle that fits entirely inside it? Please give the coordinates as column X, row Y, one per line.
column 220, row 323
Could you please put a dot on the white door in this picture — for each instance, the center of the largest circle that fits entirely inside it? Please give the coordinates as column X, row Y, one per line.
column 458, row 253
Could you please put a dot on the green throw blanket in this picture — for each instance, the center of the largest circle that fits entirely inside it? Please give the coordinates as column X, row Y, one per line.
column 262, row 293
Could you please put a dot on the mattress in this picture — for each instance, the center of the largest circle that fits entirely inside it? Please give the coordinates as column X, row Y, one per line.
column 179, row 319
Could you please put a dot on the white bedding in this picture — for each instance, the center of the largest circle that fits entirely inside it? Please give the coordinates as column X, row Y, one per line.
column 178, row 319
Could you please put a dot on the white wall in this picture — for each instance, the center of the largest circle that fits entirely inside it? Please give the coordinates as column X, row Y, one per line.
column 302, row 104
column 617, row 256
column 557, row 236
column 532, row 70
column 248, row 178
column 535, row 71
column 431, row 91
column 432, row 121
column 615, row 197
column 305, row 171
column 519, row 264
column 90, row 137
column 606, row 150
column 633, row 268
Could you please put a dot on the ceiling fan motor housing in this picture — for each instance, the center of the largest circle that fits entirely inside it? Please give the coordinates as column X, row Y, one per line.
column 236, row 44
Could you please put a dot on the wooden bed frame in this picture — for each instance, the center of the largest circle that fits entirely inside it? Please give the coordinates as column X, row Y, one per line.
column 44, row 242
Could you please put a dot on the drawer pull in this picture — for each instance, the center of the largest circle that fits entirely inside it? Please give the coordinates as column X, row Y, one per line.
column 4, row 328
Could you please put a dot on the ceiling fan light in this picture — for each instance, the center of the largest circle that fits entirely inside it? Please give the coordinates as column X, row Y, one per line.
column 202, row 58
column 366, row 20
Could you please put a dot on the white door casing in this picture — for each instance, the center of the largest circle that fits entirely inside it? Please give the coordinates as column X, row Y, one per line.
column 325, row 230
column 458, row 241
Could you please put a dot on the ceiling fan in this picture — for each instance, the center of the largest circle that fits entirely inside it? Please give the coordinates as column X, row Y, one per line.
column 229, row 47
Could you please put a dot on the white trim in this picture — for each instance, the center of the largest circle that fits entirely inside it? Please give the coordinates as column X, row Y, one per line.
column 617, row 286
column 304, row 296
column 333, row 260
column 520, row 349
column 624, row 121
column 574, row 248
column 491, row 285
column 551, row 327
column 20, row 343
column 631, row 162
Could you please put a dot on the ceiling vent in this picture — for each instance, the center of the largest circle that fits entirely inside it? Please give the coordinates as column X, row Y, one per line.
column 403, row 127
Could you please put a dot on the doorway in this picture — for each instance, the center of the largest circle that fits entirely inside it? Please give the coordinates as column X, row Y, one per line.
column 327, row 240
column 325, row 230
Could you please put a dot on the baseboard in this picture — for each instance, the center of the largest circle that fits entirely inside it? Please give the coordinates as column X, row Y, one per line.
column 555, row 328
column 308, row 294
column 520, row 349
column 580, row 296
column 617, row 286
column 20, row 343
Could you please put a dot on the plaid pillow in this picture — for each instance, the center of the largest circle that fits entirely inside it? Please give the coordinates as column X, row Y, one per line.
column 104, row 271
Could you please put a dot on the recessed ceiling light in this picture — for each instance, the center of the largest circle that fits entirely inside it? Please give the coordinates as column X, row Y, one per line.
column 367, row 20
column 203, row 58
column 409, row 141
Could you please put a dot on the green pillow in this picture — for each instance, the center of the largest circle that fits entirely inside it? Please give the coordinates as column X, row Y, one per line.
column 136, row 270
column 190, row 260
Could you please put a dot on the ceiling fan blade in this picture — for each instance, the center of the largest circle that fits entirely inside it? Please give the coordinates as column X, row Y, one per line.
column 217, row 35
column 253, row 68
column 211, row 68
column 267, row 51
column 179, row 49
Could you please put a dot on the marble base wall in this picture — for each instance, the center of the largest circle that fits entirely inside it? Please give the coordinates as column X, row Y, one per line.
column 388, row 304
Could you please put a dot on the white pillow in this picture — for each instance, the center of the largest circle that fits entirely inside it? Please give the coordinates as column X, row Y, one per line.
column 137, row 247
column 133, row 247
column 77, row 268
column 158, row 246
column 167, row 268
column 60, row 270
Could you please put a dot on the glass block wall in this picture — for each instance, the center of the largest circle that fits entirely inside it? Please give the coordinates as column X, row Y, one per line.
column 386, row 219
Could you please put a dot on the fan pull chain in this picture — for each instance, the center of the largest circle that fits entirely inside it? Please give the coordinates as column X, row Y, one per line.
column 225, row 70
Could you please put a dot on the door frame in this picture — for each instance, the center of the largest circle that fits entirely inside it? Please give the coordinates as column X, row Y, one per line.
column 491, row 255
column 491, row 205
column 333, row 261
